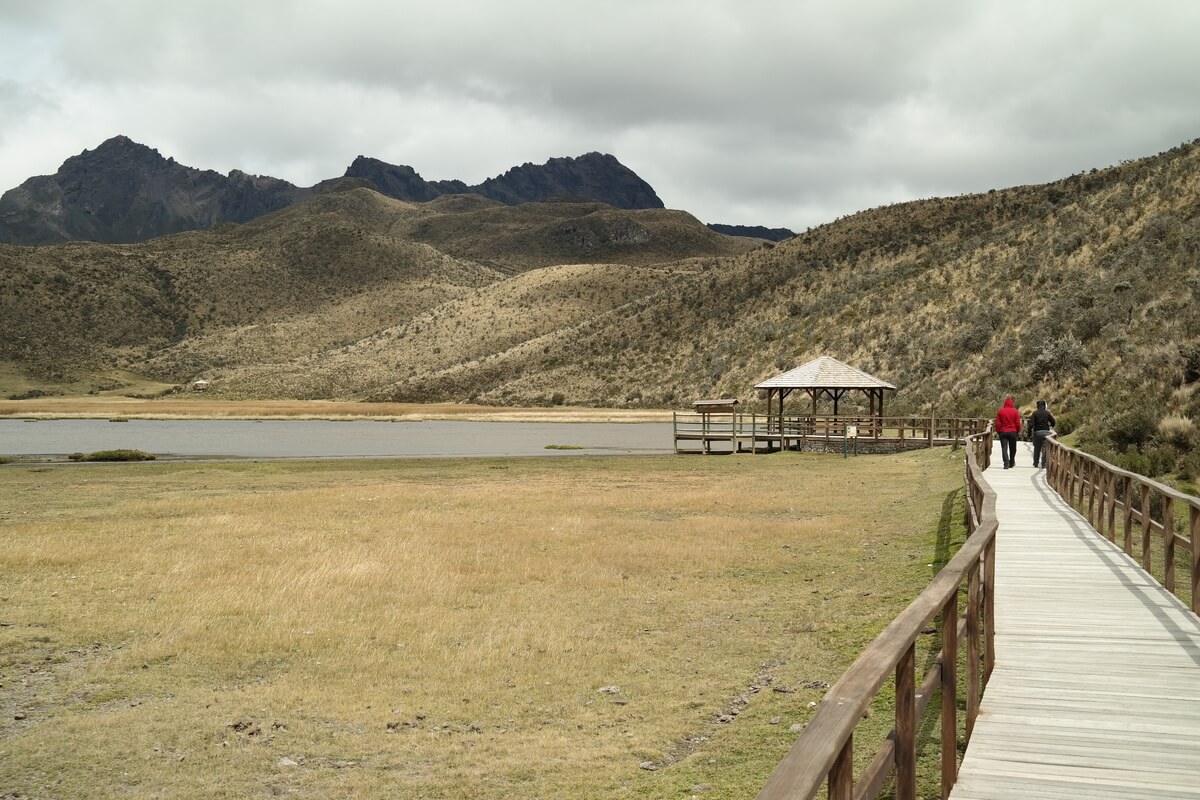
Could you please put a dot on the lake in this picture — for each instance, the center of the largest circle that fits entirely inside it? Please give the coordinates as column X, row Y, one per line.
column 331, row 439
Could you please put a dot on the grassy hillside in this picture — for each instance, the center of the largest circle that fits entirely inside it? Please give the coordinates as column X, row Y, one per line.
column 310, row 279
column 516, row 238
column 1080, row 291
column 284, row 285
column 495, row 330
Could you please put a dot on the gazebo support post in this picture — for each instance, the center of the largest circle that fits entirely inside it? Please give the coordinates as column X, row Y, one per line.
column 782, row 434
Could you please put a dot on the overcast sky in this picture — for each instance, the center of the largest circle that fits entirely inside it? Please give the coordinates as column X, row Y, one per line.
column 787, row 113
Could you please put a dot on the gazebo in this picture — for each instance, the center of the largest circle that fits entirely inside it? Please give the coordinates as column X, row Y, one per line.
column 825, row 377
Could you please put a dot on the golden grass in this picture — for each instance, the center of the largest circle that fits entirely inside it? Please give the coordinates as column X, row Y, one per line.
column 197, row 406
column 443, row 629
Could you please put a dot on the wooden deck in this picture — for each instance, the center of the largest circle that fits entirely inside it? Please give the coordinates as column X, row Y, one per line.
column 758, row 433
column 1096, row 688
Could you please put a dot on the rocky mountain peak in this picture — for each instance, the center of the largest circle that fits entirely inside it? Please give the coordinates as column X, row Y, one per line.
column 123, row 191
column 592, row 176
column 395, row 180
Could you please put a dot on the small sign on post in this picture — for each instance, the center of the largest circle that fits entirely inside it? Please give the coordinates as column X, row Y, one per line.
column 851, row 432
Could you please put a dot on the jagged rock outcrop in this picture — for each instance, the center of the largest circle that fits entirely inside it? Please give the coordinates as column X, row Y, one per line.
column 753, row 231
column 592, row 177
column 401, row 182
column 124, row 192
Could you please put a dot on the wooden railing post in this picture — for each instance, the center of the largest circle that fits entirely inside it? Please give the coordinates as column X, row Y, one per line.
column 1083, row 481
column 1145, row 527
column 906, row 725
column 949, row 695
column 1112, row 508
column 1093, row 492
column 974, row 688
column 1168, row 521
column 841, row 777
column 1194, row 514
column 1128, row 539
column 989, row 608
column 1069, row 480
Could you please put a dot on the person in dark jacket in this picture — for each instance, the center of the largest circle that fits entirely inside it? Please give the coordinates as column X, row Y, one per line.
column 1008, row 427
column 1041, row 425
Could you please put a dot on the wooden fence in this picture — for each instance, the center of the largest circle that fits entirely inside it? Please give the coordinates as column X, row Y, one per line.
column 794, row 432
column 824, row 752
column 1145, row 515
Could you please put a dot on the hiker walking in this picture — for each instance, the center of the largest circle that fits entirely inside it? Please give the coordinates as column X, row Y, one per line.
column 1041, row 425
column 1008, row 427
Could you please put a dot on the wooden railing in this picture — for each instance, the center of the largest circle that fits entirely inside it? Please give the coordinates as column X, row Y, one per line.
column 752, row 428
column 1118, row 503
column 819, row 426
column 824, row 752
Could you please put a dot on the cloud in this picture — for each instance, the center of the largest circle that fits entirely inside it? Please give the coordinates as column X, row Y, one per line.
column 741, row 111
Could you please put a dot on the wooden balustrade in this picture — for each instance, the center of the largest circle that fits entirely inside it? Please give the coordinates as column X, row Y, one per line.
column 775, row 432
column 1153, row 511
column 824, row 752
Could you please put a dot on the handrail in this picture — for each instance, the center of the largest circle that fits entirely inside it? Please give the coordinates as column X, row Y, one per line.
column 824, row 751
column 825, row 426
column 1099, row 490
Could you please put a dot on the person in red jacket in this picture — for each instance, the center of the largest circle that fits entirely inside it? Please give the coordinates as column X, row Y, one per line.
column 1008, row 427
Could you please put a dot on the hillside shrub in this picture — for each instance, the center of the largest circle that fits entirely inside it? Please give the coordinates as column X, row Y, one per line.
column 1191, row 362
column 1061, row 357
column 1065, row 423
column 1130, row 429
column 1161, row 460
column 113, row 455
column 1177, row 431
column 1188, row 468
column 975, row 338
column 32, row 394
column 1134, row 462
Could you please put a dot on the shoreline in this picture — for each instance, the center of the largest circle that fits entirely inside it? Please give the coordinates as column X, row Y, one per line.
column 158, row 409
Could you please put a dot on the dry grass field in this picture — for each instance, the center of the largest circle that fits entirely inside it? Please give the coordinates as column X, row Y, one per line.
column 535, row 628
column 196, row 406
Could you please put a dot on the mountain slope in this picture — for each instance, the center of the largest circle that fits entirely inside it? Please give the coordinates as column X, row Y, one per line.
column 336, row 268
column 515, row 238
column 77, row 305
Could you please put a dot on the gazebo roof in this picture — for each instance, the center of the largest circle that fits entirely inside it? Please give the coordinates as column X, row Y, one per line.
column 824, row 373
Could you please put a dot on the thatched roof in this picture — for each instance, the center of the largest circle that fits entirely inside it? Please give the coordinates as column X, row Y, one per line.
column 824, row 373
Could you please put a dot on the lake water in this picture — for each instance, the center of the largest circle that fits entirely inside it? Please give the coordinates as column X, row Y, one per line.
column 329, row 439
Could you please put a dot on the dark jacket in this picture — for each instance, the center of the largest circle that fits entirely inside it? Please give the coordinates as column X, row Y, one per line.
column 1008, row 419
column 1041, row 420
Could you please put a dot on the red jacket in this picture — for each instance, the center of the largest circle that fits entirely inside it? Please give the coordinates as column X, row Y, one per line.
column 1008, row 419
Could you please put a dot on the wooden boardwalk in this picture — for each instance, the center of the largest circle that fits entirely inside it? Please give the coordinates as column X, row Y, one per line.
column 1096, row 688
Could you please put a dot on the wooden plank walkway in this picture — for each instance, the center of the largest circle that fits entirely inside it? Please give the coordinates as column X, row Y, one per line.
column 1096, row 688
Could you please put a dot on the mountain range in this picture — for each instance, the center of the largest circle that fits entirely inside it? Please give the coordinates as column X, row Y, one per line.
column 123, row 191
column 1084, row 291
